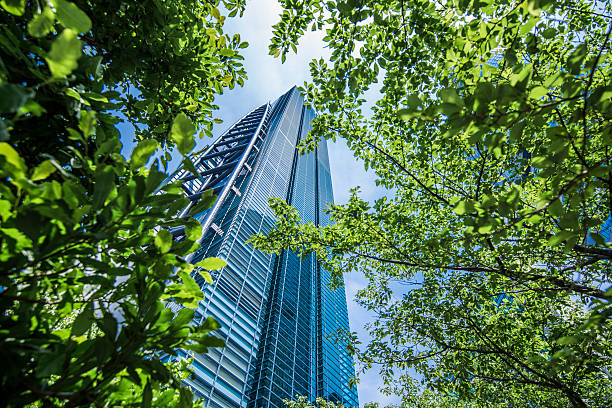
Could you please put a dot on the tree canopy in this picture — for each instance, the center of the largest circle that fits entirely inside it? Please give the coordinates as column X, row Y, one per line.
column 491, row 131
column 87, row 263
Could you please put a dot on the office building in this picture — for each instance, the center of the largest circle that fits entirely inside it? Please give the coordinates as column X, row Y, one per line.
column 276, row 312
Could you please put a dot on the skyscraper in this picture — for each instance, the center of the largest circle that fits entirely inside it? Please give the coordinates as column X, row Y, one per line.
column 276, row 312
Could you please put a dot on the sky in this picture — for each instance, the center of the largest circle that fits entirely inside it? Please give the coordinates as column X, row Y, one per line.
column 267, row 79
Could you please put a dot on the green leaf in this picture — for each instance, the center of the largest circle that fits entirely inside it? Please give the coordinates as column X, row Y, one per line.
column 197, row 347
column 50, row 363
column 12, row 157
column 513, row 196
column 517, row 130
column 108, row 324
column 4, row 133
column 405, row 114
column 486, row 227
column 72, row 194
column 142, row 152
column 450, row 95
column 510, row 57
column 571, row 243
column 209, row 324
column 5, row 210
column 188, row 164
column 33, row 108
column 183, row 317
column 87, row 124
column 105, row 183
column 226, row 52
column 464, row 207
column 542, row 162
column 212, row 341
column 94, row 96
column 163, row 241
column 570, row 221
column 212, row 264
column 576, row 59
column 599, row 240
column 558, row 239
column 70, row 16
column 190, row 293
column 147, row 396
column 206, row 201
column 83, row 321
column 605, row 94
column 413, row 101
column 566, row 340
column 13, row 97
column 42, row 23
column 555, row 208
column 20, row 239
column 16, row 7
column 44, row 170
column 538, row 92
column 65, row 51
column 448, row 109
column 74, row 94
column 206, row 276
column 518, row 80
column 185, row 398
column 92, row 65
column 549, row 33
column 75, row 135
column 193, row 230
column 182, row 133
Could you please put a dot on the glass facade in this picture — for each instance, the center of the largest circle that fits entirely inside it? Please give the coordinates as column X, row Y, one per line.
column 276, row 312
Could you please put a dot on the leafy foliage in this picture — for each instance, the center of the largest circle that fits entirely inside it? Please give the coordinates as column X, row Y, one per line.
column 88, row 263
column 303, row 402
column 492, row 134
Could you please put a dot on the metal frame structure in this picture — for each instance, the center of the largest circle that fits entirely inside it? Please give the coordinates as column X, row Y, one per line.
column 219, row 166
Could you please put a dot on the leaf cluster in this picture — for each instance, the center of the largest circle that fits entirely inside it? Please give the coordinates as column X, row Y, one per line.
column 489, row 259
column 95, row 292
column 61, row 57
